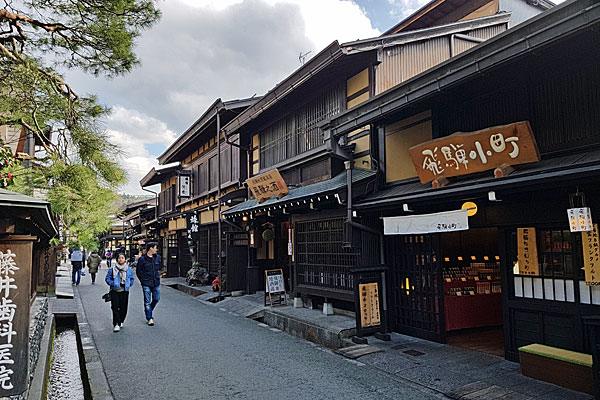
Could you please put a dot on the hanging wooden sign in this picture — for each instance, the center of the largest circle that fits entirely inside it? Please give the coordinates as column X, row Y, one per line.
column 275, row 287
column 369, row 304
column 466, row 153
column 527, row 252
column 267, row 185
column 591, row 256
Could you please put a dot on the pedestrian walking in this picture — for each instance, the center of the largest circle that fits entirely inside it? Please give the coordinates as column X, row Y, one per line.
column 76, row 264
column 147, row 272
column 120, row 279
column 93, row 262
column 108, row 256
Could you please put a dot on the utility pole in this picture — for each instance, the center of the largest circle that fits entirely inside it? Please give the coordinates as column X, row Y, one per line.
column 220, row 229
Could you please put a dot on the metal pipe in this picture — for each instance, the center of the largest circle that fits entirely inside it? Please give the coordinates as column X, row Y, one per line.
column 348, row 165
column 220, row 228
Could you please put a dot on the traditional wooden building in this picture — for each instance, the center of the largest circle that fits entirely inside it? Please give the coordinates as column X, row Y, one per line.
column 191, row 181
column 522, row 265
column 307, row 231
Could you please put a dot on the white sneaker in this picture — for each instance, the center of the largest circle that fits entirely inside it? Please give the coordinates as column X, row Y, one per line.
column 116, row 328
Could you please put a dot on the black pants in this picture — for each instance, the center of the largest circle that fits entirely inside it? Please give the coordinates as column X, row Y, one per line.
column 118, row 303
column 93, row 274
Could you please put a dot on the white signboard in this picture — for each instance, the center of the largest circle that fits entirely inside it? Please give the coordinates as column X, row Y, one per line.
column 447, row 221
column 580, row 219
column 275, row 281
column 184, row 186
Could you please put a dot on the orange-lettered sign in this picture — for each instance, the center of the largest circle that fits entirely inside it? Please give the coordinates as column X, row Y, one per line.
column 466, row 153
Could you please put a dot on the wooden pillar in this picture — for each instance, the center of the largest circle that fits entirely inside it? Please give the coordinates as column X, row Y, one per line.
column 16, row 253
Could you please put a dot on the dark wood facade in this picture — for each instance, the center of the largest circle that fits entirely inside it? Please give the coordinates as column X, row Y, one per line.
column 555, row 86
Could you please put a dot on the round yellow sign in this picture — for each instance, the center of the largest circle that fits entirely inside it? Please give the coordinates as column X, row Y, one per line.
column 472, row 207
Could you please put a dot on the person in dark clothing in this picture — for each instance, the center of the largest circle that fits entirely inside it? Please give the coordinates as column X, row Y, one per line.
column 120, row 279
column 93, row 262
column 147, row 272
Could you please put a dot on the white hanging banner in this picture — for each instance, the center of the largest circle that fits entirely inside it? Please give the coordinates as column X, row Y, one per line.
column 580, row 219
column 447, row 221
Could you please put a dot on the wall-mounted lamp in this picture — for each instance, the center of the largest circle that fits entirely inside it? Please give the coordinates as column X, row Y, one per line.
column 492, row 196
column 245, row 218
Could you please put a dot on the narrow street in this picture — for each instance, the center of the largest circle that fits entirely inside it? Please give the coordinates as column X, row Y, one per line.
column 196, row 351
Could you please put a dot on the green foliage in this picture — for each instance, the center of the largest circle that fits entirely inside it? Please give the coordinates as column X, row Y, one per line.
column 78, row 169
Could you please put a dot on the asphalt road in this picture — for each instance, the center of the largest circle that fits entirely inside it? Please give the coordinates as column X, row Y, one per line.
column 196, row 351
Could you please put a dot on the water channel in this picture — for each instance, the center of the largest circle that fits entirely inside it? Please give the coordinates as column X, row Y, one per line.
column 64, row 382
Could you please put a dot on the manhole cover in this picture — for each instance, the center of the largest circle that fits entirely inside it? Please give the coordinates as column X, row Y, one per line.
column 398, row 347
column 414, row 353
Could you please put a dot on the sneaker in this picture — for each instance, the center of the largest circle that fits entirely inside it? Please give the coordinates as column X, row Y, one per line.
column 116, row 328
column 150, row 322
column 121, row 324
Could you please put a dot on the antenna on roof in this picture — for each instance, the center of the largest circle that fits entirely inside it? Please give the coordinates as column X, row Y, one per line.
column 302, row 57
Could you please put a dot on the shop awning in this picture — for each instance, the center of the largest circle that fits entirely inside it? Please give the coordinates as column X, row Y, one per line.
column 545, row 173
column 324, row 188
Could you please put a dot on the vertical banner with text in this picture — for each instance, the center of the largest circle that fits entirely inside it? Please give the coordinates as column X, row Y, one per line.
column 591, row 256
column 527, row 252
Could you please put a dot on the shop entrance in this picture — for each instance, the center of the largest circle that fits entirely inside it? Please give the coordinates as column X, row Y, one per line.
column 472, row 290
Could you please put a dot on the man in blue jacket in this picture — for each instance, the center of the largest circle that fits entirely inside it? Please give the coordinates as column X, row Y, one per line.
column 147, row 272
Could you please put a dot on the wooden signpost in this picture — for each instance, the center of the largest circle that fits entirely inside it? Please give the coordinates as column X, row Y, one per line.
column 267, row 185
column 466, row 153
column 275, row 287
column 369, row 304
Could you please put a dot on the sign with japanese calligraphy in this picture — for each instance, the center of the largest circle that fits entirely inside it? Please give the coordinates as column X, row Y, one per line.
column 275, row 288
column 369, row 304
column 580, row 219
column 267, row 185
column 466, row 153
column 192, row 224
column 447, row 221
column 15, row 276
column 591, row 256
column 527, row 252
column 184, row 185
column 275, row 281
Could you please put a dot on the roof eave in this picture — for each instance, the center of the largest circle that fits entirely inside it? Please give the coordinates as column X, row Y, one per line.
column 424, row 34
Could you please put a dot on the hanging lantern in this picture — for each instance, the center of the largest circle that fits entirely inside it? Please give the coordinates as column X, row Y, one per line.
column 268, row 235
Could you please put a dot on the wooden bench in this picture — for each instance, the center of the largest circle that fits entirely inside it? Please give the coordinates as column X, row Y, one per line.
column 561, row 367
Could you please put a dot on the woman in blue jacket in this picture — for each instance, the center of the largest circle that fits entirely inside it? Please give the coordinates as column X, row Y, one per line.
column 120, row 279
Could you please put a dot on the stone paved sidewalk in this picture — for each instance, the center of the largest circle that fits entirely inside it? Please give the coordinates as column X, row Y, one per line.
column 460, row 373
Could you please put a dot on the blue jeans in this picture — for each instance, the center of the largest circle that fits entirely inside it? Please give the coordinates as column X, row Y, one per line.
column 76, row 275
column 151, row 298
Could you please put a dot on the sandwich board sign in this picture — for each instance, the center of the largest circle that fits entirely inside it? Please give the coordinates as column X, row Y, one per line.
column 275, row 287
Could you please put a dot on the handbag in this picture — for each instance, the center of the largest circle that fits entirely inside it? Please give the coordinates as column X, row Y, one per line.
column 106, row 297
column 83, row 272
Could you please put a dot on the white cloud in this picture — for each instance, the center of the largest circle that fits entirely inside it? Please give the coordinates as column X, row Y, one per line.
column 132, row 131
column 202, row 50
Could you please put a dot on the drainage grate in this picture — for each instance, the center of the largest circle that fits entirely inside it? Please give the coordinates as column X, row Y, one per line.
column 414, row 353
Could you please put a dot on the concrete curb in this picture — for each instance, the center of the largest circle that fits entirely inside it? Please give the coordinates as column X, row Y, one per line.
column 307, row 331
column 96, row 377
column 37, row 388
